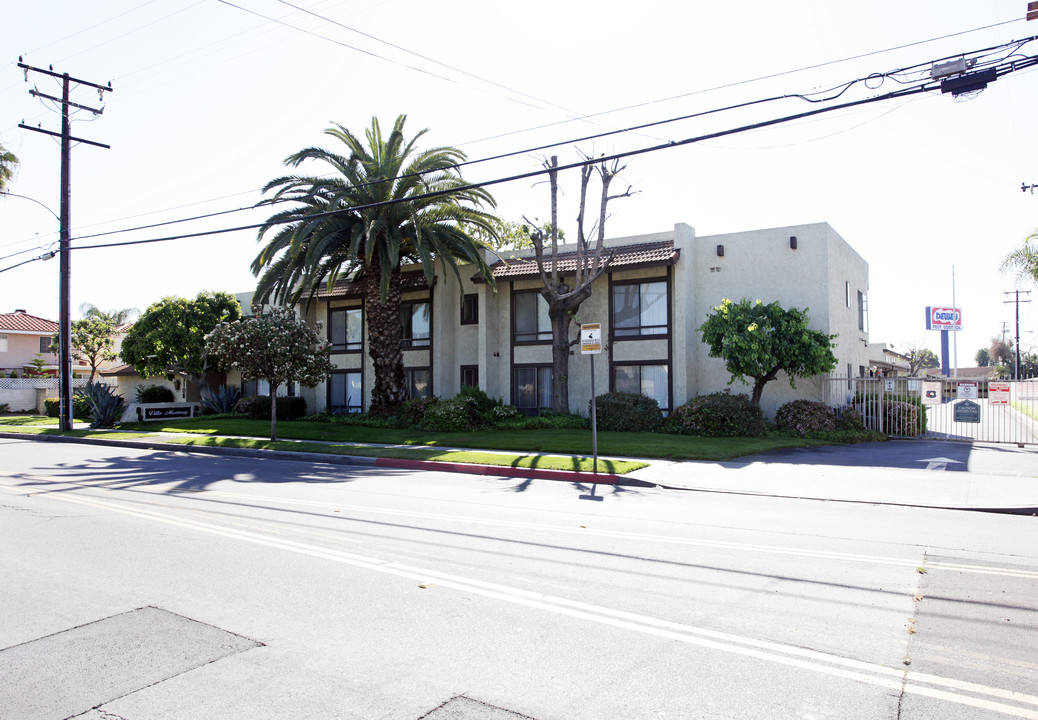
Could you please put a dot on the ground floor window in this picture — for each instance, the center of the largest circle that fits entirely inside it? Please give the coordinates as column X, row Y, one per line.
column 417, row 382
column 345, row 391
column 649, row 380
column 470, row 375
column 532, row 388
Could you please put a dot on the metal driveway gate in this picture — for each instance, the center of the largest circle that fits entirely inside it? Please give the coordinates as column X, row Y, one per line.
column 996, row 411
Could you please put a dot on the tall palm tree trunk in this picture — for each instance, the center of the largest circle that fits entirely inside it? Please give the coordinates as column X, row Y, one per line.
column 385, row 333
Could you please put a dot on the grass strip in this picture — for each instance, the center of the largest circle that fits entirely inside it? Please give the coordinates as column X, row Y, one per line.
column 83, row 433
column 540, row 462
column 567, row 442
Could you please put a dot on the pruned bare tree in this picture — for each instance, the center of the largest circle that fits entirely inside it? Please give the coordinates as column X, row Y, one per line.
column 582, row 267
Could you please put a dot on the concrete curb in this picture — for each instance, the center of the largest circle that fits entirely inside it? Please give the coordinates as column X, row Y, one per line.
column 363, row 460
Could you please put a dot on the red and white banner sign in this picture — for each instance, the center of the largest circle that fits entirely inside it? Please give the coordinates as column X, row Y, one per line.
column 998, row 392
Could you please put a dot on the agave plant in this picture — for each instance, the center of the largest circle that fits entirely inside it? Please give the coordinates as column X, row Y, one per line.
column 106, row 405
column 222, row 400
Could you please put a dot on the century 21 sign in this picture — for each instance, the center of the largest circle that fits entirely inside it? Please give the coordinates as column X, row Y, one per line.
column 942, row 318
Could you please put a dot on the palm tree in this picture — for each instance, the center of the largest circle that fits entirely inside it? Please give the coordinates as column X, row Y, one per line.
column 386, row 205
column 1024, row 260
column 113, row 317
column 7, row 163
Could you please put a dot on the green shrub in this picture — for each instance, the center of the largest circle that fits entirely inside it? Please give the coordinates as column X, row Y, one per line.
column 154, row 394
column 802, row 416
column 483, row 405
column 456, row 414
column 80, row 407
column 620, row 411
column 545, row 421
column 413, row 410
column 718, row 415
column 848, row 420
column 902, row 414
column 258, row 407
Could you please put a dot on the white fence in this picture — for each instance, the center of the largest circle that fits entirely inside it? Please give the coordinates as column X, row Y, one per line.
column 22, row 393
column 941, row 408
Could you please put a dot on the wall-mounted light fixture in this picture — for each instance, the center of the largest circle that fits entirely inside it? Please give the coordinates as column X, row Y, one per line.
column 792, row 242
column 720, row 251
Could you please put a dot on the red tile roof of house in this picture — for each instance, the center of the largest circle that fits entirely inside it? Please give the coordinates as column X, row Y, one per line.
column 22, row 322
column 624, row 256
column 410, row 281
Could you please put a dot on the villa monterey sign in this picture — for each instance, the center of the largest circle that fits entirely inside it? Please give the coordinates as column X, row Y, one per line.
column 942, row 318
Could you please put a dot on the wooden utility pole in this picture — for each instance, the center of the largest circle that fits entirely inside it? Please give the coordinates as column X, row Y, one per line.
column 65, row 223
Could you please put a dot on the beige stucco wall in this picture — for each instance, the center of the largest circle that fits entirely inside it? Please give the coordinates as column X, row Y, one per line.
column 757, row 264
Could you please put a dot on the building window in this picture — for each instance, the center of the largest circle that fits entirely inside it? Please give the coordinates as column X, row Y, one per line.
column 3, row 343
column 863, row 312
column 470, row 375
column 417, row 382
column 416, row 319
column 649, row 380
column 532, row 324
column 640, row 309
column 470, row 310
column 847, row 292
column 346, row 329
column 532, row 391
column 45, row 344
column 345, row 391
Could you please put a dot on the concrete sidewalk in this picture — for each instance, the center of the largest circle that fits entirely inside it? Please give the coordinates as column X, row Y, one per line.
column 1005, row 479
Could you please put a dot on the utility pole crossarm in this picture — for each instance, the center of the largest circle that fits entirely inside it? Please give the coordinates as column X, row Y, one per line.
column 57, row 134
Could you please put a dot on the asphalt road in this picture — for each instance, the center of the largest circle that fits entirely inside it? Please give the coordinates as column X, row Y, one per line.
column 144, row 584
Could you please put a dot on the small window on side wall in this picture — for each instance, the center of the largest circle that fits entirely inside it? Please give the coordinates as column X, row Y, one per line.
column 470, row 310
column 470, row 376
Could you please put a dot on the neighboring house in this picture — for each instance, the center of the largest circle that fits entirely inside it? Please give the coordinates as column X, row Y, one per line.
column 22, row 336
column 884, row 361
column 658, row 292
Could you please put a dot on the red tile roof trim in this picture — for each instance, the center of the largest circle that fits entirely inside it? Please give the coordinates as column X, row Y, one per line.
column 355, row 288
column 627, row 257
column 20, row 322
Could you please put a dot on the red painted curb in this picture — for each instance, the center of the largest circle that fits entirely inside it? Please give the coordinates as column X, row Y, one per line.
column 500, row 471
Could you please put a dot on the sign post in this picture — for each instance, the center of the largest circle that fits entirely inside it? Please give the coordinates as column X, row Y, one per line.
column 945, row 320
column 591, row 344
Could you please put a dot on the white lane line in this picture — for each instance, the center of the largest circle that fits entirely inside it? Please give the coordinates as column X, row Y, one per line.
column 805, row 659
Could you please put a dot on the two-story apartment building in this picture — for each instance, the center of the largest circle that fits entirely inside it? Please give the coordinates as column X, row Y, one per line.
column 658, row 291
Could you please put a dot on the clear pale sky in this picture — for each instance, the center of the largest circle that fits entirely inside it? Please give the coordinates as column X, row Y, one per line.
column 210, row 98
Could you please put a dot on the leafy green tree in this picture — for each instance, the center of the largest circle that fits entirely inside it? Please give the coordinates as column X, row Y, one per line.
column 1024, row 260
column 8, row 161
column 758, row 341
column 982, row 358
column 93, row 340
column 274, row 346
column 392, row 205
column 169, row 338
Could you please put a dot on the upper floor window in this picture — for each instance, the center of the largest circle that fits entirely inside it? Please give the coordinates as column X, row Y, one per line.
column 532, row 323
column 45, row 343
column 640, row 309
column 417, row 321
column 346, row 329
column 470, row 309
column 847, row 292
column 863, row 312
column 3, row 343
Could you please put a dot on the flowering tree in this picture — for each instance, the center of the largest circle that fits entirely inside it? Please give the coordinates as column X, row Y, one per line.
column 757, row 341
column 274, row 346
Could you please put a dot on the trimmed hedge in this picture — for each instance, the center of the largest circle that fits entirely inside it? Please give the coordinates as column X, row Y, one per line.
column 622, row 411
column 718, row 415
column 258, row 407
column 80, row 407
column 154, row 394
column 801, row 417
